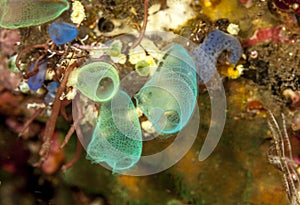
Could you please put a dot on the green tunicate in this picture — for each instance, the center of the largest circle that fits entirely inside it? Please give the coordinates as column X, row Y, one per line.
column 115, row 49
column 117, row 137
column 12, row 64
column 24, row 13
column 169, row 97
column 99, row 81
column 142, row 68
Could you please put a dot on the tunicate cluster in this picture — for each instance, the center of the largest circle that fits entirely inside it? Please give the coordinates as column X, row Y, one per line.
column 167, row 99
column 117, row 137
column 108, row 122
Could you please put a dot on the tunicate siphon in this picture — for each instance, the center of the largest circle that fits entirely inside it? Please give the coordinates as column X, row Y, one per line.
column 99, row 81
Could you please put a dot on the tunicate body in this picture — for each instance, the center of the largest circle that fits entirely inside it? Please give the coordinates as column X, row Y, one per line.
column 117, row 137
column 99, row 81
column 24, row 13
column 169, row 97
column 62, row 32
column 142, row 68
column 207, row 53
column 52, row 88
column 36, row 81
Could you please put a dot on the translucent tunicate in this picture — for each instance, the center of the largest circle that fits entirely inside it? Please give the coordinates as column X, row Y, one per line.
column 142, row 68
column 207, row 53
column 52, row 88
column 24, row 13
column 169, row 97
column 117, row 137
column 36, row 81
column 99, row 81
column 62, row 32
column 115, row 49
column 12, row 64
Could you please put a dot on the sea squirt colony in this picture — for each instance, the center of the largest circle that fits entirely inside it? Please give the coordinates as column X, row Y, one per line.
column 167, row 99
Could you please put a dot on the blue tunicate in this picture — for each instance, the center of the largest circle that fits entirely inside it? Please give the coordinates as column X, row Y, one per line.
column 52, row 88
column 169, row 97
column 117, row 137
column 36, row 81
column 62, row 32
column 207, row 53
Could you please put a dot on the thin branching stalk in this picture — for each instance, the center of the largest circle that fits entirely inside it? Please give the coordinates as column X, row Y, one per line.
column 280, row 155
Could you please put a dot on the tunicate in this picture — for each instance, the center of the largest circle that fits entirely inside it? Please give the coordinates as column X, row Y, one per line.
column 52, row 88
column 62, row 32
column 36, row 81
column 99, row 81
column 169, row 97
column 117, row 137
column 207, row 53
column 24, row 13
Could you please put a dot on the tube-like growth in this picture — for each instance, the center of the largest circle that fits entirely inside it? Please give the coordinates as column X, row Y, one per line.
column 36, row 81
column 169, row 97
column 61, row 32
column 117, row 137
column 207, row 53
